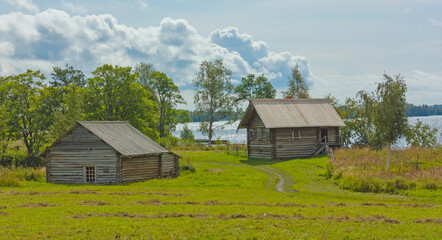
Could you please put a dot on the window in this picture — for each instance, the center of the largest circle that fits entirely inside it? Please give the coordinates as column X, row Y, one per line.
column 296, row 134
column 252, row 135
column 259, row 134
column 265, row 134
column 90, row 174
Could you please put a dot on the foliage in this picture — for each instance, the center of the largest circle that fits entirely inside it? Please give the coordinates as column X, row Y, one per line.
column 168, row 142
column 113, row 94
column 421, row 135
column 14, row 177
column 378, row 119
column 68, row 89
column 28, row 110
column 389, row 114
column 214, row 99
column 187, row 134
column 361, row 170
column 6, row 135
column 251, row 87
column 297, row 86
column 67, row 76
column 186, row 165
column 167, row 96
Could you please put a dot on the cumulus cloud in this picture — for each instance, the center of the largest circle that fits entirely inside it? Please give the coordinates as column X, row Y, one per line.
column 73, row 7
column 53, row 37
column 23, row 4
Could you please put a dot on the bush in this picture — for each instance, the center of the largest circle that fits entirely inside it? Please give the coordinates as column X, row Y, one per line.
column 168, row 142
column 30, row 174
column 8, row 179
column 13, row 176
column 187, row 169
column 187, row 134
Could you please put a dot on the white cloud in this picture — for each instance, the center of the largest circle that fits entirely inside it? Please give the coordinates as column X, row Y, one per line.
column 436, row 22
column 23, row 4
column 70, row 6
column 143, row 4
column 53, row 37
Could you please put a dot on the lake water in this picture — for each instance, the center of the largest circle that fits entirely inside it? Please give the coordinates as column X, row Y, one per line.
column 231, row 134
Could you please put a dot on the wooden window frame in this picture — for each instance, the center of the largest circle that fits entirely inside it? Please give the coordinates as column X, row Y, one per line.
column 266, row 134
column 86, row 176
column 294, row 137
column 259, row 133
column 252, row 134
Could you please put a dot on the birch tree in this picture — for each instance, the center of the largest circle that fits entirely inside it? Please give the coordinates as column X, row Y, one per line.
column 214, row 98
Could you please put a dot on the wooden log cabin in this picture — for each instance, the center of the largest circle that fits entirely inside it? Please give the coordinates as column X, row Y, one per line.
column 107, row 152
column 290, row 128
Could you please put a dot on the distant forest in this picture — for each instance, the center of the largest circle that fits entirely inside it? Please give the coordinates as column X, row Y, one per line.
column 423, row 110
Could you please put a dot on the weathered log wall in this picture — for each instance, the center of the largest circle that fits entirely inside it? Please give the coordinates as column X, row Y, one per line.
column 259, row 145
column 170, row 165
column 140, row 168
column 67, row 159
column 288, row 148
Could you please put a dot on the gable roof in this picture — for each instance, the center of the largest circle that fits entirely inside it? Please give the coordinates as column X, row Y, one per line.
column 289, row 113
column 121, row 136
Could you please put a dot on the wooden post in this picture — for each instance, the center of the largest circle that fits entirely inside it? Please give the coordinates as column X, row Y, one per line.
column 47, row 167
column 160, row 166
column 273, row 143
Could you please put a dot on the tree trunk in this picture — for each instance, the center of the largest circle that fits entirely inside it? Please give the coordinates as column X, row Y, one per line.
column 210, row 133
column 388, row 157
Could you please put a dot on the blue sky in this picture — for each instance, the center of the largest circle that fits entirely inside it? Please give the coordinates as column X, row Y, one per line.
column 341, row 46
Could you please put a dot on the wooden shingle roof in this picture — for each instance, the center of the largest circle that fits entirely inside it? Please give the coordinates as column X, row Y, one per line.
column 123, row 137
column 292, row 113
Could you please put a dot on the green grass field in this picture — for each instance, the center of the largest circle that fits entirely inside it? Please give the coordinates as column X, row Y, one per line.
column 227, row 197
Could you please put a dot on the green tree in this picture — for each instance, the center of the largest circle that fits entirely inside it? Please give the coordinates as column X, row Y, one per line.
column 6, row 133
column 298, row 87
column 167, row 96
column 145, row 70
column 214, row 99
column 113, row 94
column 67, row 76
column 187, row 134
column 421, row 135
column 389, row 115
column 67, row 90
column 30, row 112
column 252, row 87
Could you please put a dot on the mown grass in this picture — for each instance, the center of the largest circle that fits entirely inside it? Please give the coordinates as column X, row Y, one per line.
column 217, row 201
column 363, row 170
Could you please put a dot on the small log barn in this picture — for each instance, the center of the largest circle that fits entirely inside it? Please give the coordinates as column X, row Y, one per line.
column 290, row 128
column 107, row 152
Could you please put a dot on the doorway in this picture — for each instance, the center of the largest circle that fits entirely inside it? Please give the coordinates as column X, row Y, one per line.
column 324, row 135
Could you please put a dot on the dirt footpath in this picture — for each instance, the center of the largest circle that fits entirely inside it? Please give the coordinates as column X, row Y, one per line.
column 284, row 183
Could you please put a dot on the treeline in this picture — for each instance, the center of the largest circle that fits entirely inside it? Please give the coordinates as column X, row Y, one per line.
column 34, row 111
column 423, row 110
